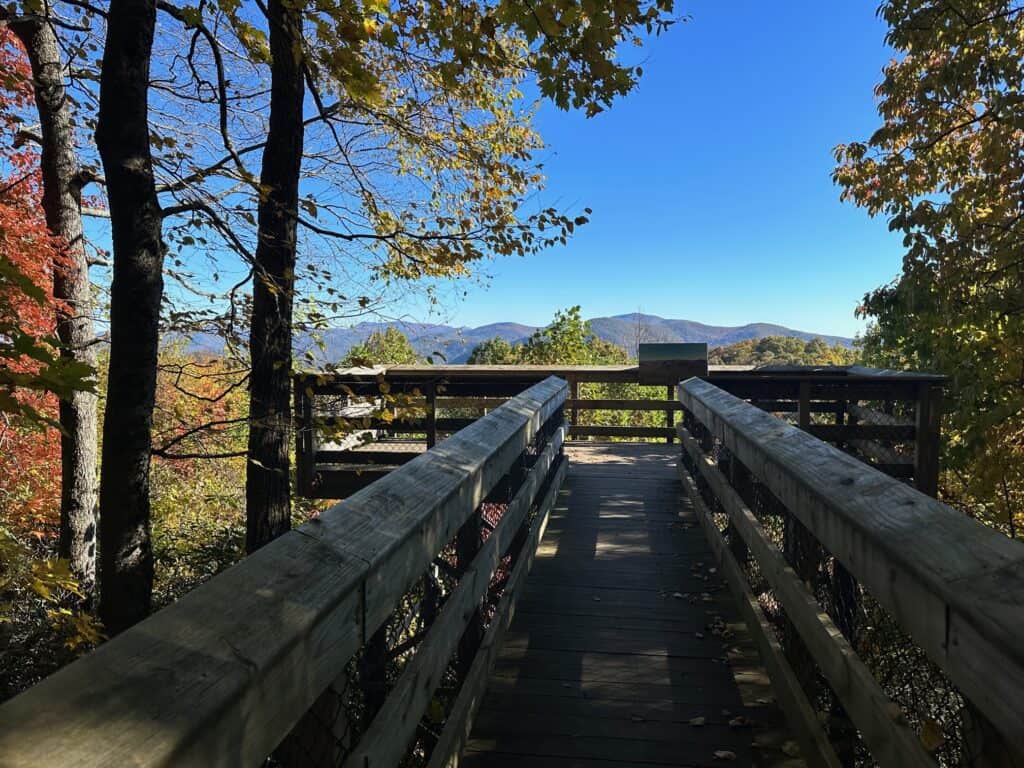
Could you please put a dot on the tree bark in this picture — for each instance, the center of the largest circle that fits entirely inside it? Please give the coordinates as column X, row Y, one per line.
column 267, row 496
column 62, row 205
column 122, row 135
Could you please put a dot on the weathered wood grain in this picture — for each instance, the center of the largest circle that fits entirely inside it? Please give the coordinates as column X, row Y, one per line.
column 219, row 677
column 588, row 658
column 891, row 741
column 799, row 712
column 394, row 726
column 941, row 575
column 459, row 723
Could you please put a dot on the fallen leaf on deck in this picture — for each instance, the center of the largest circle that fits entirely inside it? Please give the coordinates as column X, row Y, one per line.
column 931, row 735
column 697, row 722
column 724, row 754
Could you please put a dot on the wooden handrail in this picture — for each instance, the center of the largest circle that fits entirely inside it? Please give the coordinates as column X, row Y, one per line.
column 436, row 400
column 954, row 585
column 221, row 676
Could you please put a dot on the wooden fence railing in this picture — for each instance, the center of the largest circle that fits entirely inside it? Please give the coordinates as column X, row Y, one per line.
column 912, row 613
column 413, row 407
column 889, row 419
column 404, row 585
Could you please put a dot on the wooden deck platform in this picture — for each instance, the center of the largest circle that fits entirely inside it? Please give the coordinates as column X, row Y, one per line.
column 625, row 649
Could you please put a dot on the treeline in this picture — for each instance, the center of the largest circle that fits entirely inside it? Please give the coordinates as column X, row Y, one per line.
column 782, row 350
column 569, row 340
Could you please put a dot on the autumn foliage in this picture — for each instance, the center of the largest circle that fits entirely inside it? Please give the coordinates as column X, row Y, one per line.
column 29, row 444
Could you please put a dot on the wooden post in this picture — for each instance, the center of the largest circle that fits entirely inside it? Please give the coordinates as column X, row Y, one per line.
column 305, row 438
column 431, row 416
column 431, row 597
column 803, row 553
column 373, row 669
column 670, row 415
column 840, row 412
column 845, row 596
column 705, row 438
column 574, row 395
column 804, row 412
column 467, row 544
column 742, row 482
column 841, row 419
column 929, row 428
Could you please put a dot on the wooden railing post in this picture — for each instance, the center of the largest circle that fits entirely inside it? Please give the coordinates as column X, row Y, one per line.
column 373, row 670
column 467, row 544
column 804, row 412
column 431, row 421
column 705, row 438
column 305, row 437
column 929, row 427
column 517, row 475
column 670, row 415
column 803, row 553
column 845, row 600
column 743, row 483
column 574, row 395
column 933, row 571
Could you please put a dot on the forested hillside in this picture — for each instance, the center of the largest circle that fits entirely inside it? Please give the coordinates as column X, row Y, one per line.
column 454, row 344
column 782, row 350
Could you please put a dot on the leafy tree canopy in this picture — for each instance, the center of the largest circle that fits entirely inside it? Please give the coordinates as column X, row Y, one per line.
column 387, row 347
column 567, row 341
column 494, row 351
column 781, row 350
column 946, row 168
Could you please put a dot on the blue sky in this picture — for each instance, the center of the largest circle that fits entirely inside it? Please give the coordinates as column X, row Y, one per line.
column 710, row 184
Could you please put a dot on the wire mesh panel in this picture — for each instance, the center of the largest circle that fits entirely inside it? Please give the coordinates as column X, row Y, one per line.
column 342, row 642
column 333, row 731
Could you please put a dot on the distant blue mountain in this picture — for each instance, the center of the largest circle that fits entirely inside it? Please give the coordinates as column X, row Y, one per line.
column 445, row 343
column 627, row 330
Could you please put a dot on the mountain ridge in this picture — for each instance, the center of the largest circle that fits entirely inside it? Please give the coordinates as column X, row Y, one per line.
column 453, row 344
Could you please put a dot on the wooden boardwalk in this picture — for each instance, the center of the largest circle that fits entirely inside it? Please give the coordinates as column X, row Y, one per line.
column 616, row 655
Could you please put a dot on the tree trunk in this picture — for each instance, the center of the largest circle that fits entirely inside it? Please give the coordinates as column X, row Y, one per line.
column 267, row 497
column 63, row 208
column 122, row 135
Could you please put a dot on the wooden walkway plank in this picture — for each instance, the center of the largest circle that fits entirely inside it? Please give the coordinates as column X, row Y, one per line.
column 613, row 658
